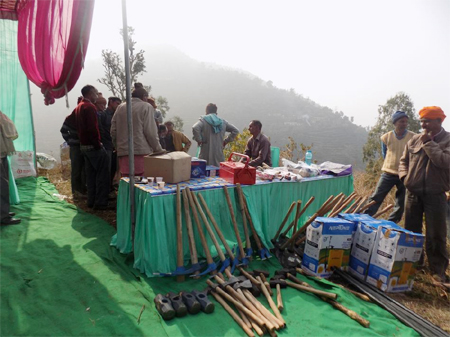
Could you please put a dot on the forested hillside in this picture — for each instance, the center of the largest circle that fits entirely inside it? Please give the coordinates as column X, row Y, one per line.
column 190, row 85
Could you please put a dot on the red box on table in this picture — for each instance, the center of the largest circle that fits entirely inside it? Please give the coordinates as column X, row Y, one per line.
column 238, row 172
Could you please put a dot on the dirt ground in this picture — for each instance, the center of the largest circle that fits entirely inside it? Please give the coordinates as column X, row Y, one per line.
column 428, row 298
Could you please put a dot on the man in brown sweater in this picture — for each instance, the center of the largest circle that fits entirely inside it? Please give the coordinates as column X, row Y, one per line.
column 425, row 170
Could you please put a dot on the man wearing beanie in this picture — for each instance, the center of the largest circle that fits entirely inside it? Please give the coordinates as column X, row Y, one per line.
column 392, row 145
column 425, row 170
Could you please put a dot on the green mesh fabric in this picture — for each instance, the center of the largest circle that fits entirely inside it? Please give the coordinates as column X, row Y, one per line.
column 15, row 93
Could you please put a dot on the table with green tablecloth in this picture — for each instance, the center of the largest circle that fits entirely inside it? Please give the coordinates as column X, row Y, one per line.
column 155, row 242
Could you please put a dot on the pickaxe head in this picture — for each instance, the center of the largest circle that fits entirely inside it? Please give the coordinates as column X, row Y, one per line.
column 225, row 265
column 211, row 267
column 264, row 254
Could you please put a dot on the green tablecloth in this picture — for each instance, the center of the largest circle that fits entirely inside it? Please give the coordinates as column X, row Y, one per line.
column 155, row 233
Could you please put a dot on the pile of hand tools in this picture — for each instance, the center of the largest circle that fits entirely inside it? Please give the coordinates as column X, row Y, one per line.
column 195, row 204
column 289, row 250
column 251, row 314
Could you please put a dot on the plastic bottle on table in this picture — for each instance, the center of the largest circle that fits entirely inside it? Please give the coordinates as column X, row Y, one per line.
column 308, row 157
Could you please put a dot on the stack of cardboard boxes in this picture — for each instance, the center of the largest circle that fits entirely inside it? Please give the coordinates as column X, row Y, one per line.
column 377, row 251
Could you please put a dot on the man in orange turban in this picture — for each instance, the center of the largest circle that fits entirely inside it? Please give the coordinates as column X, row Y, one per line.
column 425, row 170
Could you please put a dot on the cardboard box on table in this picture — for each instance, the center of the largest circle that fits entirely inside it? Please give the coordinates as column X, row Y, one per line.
column 198, row 167
column 212, row 171
column 328, row 244
column 394, row 260
column 173, row 167
column 363, row 241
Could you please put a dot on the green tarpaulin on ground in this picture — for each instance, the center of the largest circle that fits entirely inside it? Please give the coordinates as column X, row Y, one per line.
column 60, row 277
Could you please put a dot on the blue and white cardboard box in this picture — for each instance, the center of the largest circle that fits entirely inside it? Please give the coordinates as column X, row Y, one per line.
column 328, row 244
column 356, row 218
column 198, row 168
column 363, row 241
column 212, row 171
column 394, row 260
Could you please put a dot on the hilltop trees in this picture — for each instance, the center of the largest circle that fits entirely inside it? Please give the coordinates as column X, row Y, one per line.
column 372, row 148
column 115, row 78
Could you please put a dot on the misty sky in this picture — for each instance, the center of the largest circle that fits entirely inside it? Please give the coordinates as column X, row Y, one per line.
column 348, row 55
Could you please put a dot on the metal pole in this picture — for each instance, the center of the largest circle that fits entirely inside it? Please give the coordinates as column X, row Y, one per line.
column 129, row 117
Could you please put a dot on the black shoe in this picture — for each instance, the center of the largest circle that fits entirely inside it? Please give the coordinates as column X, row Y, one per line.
column 11, row 214
column 10, row 221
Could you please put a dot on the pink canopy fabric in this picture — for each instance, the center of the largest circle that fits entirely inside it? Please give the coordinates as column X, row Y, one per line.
column 53, row 37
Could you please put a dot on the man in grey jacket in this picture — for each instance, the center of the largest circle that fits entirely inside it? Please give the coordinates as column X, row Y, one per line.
column 145, row 132
column 209, row 133
column 425, row 171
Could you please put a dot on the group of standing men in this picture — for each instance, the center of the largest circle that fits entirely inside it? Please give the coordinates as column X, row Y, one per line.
column 419, row 166
column 97, row 135
column 92, row 155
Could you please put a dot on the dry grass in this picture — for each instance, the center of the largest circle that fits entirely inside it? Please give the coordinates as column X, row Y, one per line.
column 427, row 298
column 64, row 188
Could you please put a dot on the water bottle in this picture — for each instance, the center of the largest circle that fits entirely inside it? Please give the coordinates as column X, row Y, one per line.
column 308, row 157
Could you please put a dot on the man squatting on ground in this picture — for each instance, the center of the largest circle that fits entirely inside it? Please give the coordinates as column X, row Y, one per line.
column 425, row 171
column 392, row 145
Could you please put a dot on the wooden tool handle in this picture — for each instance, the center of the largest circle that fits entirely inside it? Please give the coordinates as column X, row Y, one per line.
column 208, row 228
column 354, row 205
column 312, row 290
column 180, row 255
column 252, row 226
column 270, row 300
column 233, row 220
column 192, row 247
column 244, row 218
column 285, row 220
column 361, row 203
column 264, row 311
column 205, row 246
column 280, row 305
column 216, row 227
column 350, row 313
column 384, row 210
column 238, row 320
column 237, row 304
column 297, row 212
column 373, row 202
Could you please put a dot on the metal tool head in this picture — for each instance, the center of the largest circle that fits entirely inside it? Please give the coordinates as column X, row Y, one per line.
column 283, row 272
column 264, row 254
column 290, row 259
column 211, row 267
column 244, row 284
column 277, row 280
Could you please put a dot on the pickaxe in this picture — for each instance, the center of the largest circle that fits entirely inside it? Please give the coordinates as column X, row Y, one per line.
column 244, row 261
